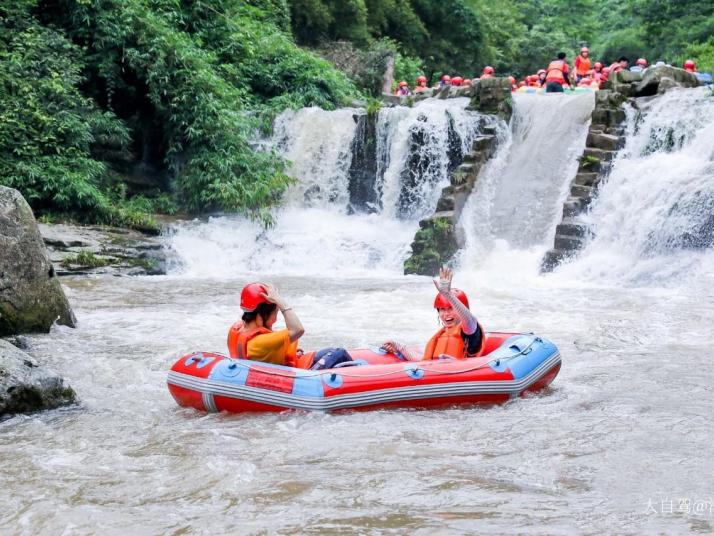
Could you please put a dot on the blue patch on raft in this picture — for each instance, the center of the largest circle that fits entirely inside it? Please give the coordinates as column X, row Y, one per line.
column 306, row 383
column 522, row 354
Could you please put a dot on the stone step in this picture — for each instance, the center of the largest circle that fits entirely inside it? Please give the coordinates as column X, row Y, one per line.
column 552, row 258
column 582, row 192
column 568, row 243
column 585, row 178
column 574, row 229
column 572, row 207
column 481, row 143
column 608, row 116
column 607, row 142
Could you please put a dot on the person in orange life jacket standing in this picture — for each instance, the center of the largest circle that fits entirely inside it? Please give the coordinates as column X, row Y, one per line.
column 582, row 64
column 557, row 74
column 461, row 335
column 253, row 337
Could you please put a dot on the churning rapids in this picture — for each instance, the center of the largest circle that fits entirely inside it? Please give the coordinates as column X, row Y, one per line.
column 620, row 444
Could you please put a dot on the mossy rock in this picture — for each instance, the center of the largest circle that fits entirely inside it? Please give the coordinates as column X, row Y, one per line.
column 434, row 245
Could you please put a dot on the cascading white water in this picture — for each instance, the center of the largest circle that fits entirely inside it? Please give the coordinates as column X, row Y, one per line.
column 518, row 197
column 318, row 146
column 315, row 232
column 654, row 217
column 414, row 146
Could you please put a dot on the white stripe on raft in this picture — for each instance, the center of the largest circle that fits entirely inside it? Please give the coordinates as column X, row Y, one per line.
column 416, row 392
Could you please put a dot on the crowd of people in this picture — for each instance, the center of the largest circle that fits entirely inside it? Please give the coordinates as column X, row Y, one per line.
column 559, row 74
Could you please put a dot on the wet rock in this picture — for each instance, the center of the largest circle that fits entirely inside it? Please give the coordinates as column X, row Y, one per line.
column 27, row 387
column 654, row 76
column 492, row 96
column 434, row 244
column 83, row 250
column 31, row 297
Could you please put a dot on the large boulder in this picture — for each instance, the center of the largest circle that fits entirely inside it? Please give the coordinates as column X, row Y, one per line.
column 665, row 76
column 492, row 96
column 31, row 297
column 26, row 387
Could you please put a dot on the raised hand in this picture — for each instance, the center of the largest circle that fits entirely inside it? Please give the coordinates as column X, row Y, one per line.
column 443, row 285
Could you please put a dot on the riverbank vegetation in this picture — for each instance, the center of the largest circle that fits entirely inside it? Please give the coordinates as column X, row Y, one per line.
column 111, row 110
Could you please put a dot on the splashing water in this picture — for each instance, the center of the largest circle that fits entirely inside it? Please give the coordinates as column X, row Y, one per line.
column 518, row 197
column 654, row 218
column 315, row 233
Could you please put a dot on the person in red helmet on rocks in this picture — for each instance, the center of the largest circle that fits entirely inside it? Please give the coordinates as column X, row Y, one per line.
column 582, row 64
column 690, row 66
column 596, row 73
column 604, row 76
column 445, row 81
column 253, row 337
column 421, row 84
column 619, row 65
column 402, row 89
column 487, row 72
column 456, row 81
column 639, row 66
column 461, row 335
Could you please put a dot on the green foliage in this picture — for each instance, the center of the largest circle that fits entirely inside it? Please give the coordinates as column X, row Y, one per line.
column 47, row 127
column 446, row 34
column 373, row 106
column 190, row 76
column 407, row 68
column 86, row 259
column 702, row 54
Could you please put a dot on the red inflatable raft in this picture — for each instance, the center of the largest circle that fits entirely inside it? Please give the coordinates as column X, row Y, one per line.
column 514, row 364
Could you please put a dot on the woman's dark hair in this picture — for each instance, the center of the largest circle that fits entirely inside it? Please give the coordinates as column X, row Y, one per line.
column 263, row 309
column 561, row 55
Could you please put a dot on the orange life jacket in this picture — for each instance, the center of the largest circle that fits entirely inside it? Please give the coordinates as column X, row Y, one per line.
column 555, row 71
column 238, row 339
column 450, row 342
column 583, row 66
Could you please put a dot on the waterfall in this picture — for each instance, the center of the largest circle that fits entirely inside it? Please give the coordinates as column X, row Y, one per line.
column 518, row 197
column 362, row 184
column 318, row 146
column 417, row 149
column 654, row 216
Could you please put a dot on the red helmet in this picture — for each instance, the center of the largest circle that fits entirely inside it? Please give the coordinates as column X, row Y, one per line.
column 421, row 78
column 641, row 61
column 597, row 65
column 584, row 49
column 251, row 296
column 402, row 84
column 488, row 70
column 689, row 65
column 446, row 78
column 456, row 81
column 440, row 302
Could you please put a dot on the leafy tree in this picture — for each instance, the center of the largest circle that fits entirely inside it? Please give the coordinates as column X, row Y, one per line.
column 47, row 127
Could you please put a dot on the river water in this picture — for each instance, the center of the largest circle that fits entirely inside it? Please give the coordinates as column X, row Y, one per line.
column 619, row 444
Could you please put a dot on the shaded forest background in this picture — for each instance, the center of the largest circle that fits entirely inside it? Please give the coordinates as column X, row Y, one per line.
column 113, row 110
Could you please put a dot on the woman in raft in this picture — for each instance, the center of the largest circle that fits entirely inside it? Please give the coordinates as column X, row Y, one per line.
column 253, row 337
column 461, row 335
